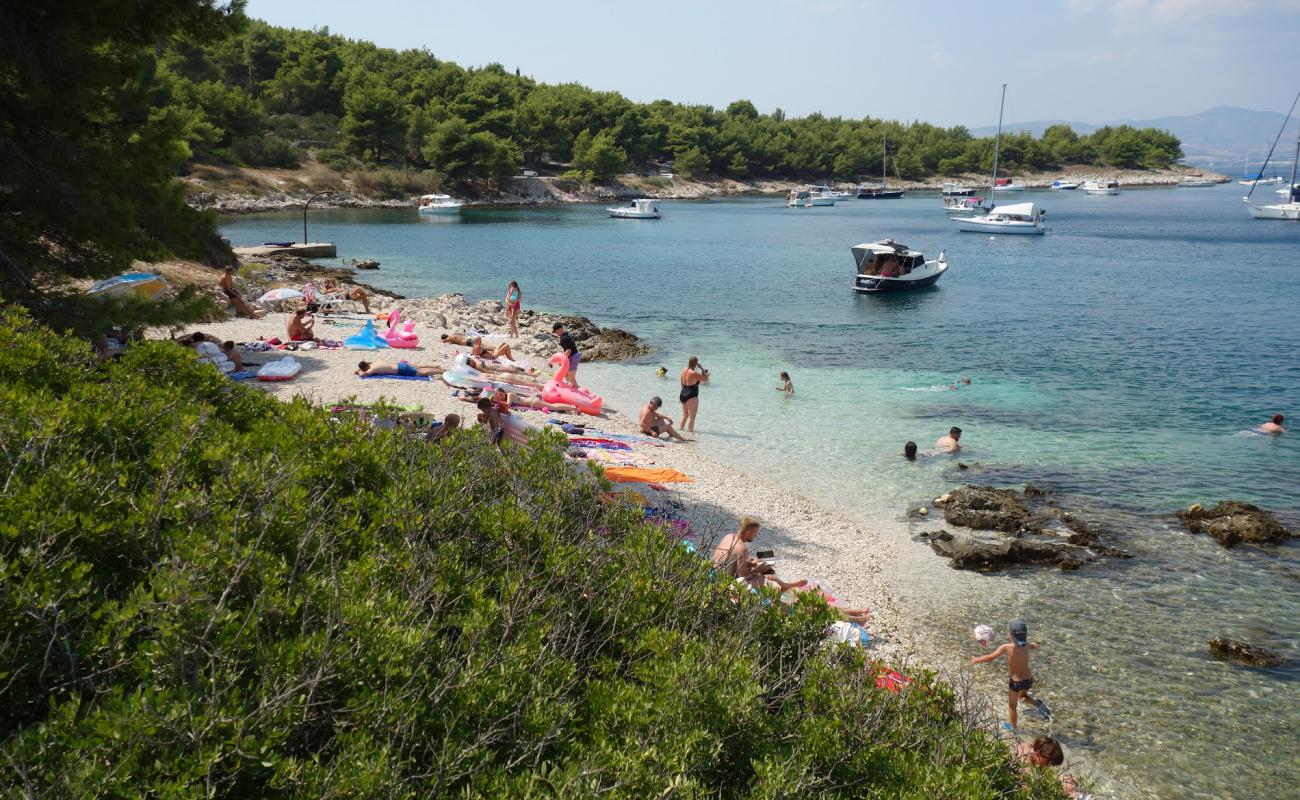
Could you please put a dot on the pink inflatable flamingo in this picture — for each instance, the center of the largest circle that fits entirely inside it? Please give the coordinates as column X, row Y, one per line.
column 557, row 390
column 399, row 337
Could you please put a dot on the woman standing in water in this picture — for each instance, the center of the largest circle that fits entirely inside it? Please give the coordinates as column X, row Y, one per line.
column 692, row 376
column 513, row 298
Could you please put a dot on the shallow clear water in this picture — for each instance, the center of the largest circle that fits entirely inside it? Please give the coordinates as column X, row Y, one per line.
column 1117, row 360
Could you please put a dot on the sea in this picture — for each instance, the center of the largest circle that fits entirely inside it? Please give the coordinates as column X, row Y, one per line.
column 1120, row 361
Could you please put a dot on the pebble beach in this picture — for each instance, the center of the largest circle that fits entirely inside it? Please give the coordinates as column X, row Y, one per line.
column 809, row 541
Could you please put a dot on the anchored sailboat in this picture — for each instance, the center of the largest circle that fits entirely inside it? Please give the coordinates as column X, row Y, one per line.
column 1021, row 218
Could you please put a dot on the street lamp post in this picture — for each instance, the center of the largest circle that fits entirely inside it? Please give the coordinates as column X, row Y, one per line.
column 304, row 215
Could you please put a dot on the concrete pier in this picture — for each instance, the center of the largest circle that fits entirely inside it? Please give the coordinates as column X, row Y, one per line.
column 307, row 250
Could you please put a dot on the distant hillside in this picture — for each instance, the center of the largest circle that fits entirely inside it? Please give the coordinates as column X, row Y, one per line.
column 1218, row 137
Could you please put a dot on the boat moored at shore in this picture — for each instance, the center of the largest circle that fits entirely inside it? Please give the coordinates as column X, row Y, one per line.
column 1064, row 186
column 1109, row 186
column 956, row 190
column 965, row 206
column 640, row 208
column 439, row 204
column 888, row 266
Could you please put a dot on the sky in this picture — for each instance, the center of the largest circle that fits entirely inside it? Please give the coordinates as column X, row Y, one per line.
column 939, row 62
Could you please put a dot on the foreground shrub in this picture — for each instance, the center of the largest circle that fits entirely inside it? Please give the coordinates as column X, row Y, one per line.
column 205, row 592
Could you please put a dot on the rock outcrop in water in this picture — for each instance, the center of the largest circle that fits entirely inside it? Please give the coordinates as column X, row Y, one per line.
column 1004, row 531
column 1245, row 653
column 1233, row 522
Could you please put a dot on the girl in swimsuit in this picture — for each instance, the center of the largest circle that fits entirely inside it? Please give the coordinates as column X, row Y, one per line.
column 691, row 378
column 513, row 298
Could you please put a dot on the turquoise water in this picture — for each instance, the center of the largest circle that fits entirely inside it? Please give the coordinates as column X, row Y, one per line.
column 1116, row 360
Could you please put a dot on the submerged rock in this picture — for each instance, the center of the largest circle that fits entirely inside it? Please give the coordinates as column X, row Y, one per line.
column 967, row 550
column 1245, row 653
column 1233, row 522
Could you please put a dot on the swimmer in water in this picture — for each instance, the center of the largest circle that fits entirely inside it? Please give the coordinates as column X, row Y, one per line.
column 661, row 373
column 965, row 380
column 786, row 386
column 1273, row 426
column 909, row 451
column 950, row 443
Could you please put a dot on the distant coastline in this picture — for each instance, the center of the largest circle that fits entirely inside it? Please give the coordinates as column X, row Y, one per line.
column 235, row 190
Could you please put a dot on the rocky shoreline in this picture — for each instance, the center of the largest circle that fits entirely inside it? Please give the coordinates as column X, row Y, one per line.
column 553, row 190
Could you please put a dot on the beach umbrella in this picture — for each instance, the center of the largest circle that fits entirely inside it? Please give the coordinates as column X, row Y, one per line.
column 276, row 295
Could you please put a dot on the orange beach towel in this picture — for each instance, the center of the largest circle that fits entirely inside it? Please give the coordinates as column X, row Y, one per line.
column 641, row 475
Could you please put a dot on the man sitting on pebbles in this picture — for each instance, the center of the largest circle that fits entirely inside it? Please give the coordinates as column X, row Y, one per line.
column 655, row 424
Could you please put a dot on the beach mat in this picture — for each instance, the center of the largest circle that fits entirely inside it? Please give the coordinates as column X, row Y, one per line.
column 641, row 475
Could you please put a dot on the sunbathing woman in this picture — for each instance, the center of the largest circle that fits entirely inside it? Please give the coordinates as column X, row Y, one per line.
column 355, row 293
column 484, row 365
column 483, row 351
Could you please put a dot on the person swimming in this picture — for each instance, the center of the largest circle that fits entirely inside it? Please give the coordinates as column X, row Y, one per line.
column 1273, row 426
column 661, row 373
column 909, row 451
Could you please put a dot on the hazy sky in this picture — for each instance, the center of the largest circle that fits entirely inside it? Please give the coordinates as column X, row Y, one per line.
column 940, row 62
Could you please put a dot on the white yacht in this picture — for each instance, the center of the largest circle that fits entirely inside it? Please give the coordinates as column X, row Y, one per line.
column 1108, row 186
column 1064, row 186
column 957, row 190
column 439, row 204
column 640, row 208
column 1008, row 185
column 888, row 266
column 799, row 198
column 1289, row 208
column 1019, row 219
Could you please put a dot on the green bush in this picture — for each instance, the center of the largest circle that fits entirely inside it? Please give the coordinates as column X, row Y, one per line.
column 265, row 151
column 205, row 592
column 396, row 184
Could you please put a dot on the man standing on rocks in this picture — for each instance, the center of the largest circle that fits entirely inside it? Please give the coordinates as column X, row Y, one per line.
column 570, row 349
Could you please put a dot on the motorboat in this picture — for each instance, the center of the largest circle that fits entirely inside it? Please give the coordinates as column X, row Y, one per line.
column 1018, row 219
column 439, row 204
column 1007, row 185
column 1195, row 182
column 799, row 198
column 819, row 194
column 965, row 206
column 640, row 208
column 1259, row 180
column 957, row 190
column 868, row 191
column 1108, row 186
column 1064, row 186
column 1285, row 191
column 888, row 266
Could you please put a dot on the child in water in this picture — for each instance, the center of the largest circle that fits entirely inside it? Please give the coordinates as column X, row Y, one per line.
column 786, row 386
column 1021, row 679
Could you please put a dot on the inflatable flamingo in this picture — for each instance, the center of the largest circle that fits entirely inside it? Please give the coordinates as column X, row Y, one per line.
column 397, row 336
column 557, row 390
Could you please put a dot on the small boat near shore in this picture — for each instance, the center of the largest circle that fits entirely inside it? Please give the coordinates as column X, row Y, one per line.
column 1064, row 186
column 1109, row 186
column 821, row 195
column 957, row 190
column 439, row 204
column 964, row 206
column 868, row 191
column 1288, row 209
column 640, row 208
column 1007, row 185
column 889, row 266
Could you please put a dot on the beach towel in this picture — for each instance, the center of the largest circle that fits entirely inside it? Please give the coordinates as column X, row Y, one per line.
column 641, row 475
column 399, row 377
column 602, row 444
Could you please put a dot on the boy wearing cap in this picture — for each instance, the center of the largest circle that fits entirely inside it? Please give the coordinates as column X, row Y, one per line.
column 1021, row 679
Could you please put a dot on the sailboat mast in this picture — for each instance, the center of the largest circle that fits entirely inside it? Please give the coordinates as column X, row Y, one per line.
column 884, row 160
column 997, row 143
column 1268, row 157
column 1290, row 189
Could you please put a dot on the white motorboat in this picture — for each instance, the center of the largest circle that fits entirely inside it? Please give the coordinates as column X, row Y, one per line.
column 640, row 208
column 439, row 204
column 1258, row 181
column 821, row 195
column 888, row 266
column 965, row 206
column 1195, row 182
column 1007, row 185
column 1064, row 186
column 1018, row 219
column 1285, row 191
column 1108, row 186
column 957, row 190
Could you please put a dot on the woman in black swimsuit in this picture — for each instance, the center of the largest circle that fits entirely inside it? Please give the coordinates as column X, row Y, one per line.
column 691, row 378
